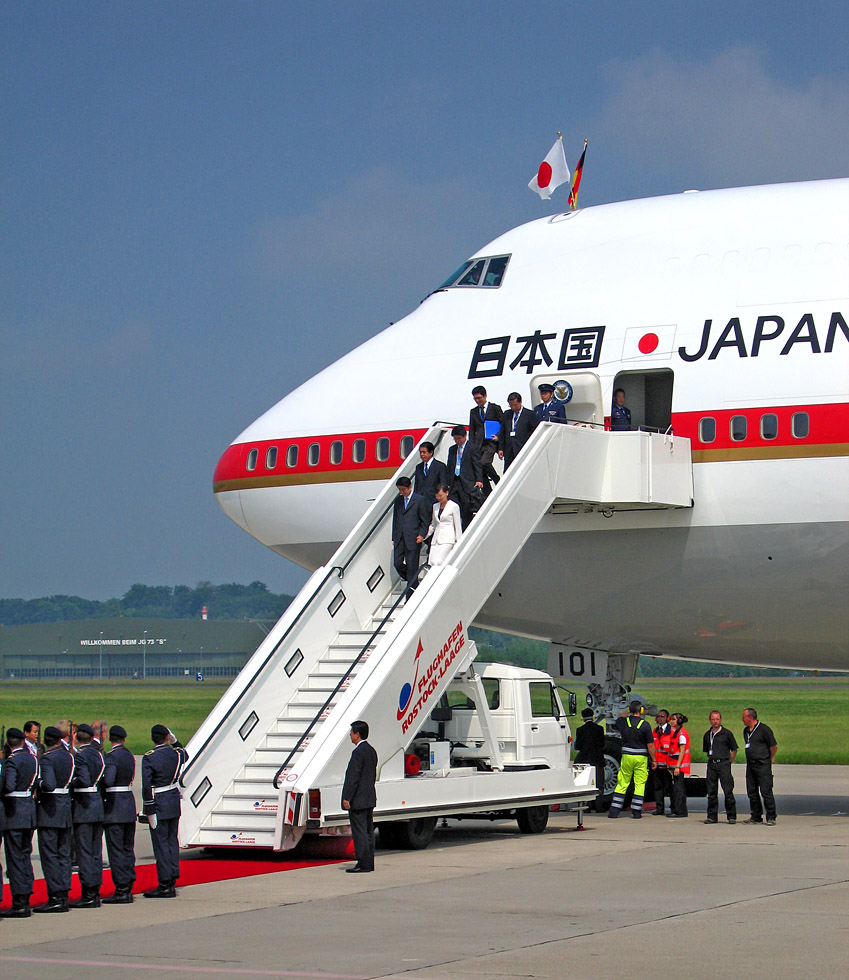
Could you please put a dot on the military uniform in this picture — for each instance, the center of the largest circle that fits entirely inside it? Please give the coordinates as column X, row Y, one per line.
column 53, row 818
column 119, row 817
column 20, row 772
column 88, row 820
column 553, row 411
column 161, row 768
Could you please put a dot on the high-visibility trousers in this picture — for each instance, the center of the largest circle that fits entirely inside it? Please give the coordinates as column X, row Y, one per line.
column 636, row 767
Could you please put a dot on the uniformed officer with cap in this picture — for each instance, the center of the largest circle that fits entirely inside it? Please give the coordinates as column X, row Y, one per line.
column 119, row 816
column 20, row 772
column 53, row 818
column 551, row 410
column 589, row 749
column 161, row 768
column 88, row 818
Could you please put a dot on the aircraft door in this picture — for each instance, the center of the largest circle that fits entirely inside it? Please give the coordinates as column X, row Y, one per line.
column 579, row 391
column 648, row 395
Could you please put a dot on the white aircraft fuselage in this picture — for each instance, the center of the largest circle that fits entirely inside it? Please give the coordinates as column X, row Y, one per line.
column 723, row 314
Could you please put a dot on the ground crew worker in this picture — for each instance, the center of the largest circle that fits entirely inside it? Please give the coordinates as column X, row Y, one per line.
column 589, row 749
column 20, row 772
column 761, row 747
column 88, row 817
column 662, row 776
column 637, row 750
column 679, row 763
column 53, row 818
column 161, row 768
column 119, row 817
column 720, row 747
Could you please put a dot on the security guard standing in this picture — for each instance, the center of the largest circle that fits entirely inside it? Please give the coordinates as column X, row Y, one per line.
column 761, row 746
column 551, row 410
column 88, row 818
column 20, row 772
column 161, row 768
column 119, row 816
column 637, row 749
column 53, row 818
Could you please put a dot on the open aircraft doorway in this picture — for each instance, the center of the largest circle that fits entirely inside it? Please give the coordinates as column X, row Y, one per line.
column 580, row 391
column 648, row 394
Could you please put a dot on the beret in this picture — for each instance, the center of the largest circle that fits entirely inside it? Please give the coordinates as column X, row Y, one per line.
column 85, row 730
column 158, row 730
column 14, row 733
column 116, row 731
column 51, row 732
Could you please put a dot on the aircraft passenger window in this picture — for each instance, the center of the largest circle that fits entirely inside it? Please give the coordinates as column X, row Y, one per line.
column 271, row 458
column 359, row 451
column 473, row 276
column 382, row 449
column 292, row 456
column 253, row 456
column 769, row 426
column 707, row 429
column 543, row 704
column 738, row 428
column 495, row 271
column 800, row 425
column 313, row 454
column 407, row 443
column 336, row 452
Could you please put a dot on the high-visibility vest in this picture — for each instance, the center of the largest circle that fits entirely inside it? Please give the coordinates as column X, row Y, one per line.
column 675, row 749
column 662, row 746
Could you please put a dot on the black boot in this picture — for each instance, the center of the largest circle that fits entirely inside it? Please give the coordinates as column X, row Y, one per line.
column 122, row 896
column 90, row 899
column 163, row 890
column 55, row 903
column 20, row 908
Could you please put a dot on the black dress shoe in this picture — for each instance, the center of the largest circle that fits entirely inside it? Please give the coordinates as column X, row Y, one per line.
column 19, row 910
column 352, row 871
column 88, row 901
column 359, row 871
column 162, row 891
column 122, row 896
column 55, row 903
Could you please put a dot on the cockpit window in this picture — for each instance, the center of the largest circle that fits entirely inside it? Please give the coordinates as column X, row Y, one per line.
column 487, row 272
column 473, row 276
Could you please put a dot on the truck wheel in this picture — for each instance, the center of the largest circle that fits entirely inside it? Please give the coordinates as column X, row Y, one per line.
column 415, row 835
column 533, row 819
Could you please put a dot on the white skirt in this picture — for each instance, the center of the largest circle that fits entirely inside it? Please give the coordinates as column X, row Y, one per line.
column 439, row 554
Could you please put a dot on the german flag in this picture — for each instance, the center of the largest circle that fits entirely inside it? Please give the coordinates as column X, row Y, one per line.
column 576, row 180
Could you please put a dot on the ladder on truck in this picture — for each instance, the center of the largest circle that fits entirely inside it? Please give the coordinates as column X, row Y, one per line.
column 348, row 647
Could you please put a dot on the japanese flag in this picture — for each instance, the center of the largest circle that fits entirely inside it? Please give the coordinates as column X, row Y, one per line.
column 552, row 172
column 641, row 342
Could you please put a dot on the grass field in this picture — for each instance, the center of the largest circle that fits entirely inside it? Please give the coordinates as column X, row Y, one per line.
column 808, row 715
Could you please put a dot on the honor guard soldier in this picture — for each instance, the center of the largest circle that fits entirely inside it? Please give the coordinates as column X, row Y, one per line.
column 161, row 768
column 88, row 818
column 119, row 817
column 20, row 772
column 551, row 410
column 53, row 818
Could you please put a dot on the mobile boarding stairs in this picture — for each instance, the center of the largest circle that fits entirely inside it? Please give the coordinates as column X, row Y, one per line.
column 348, row 647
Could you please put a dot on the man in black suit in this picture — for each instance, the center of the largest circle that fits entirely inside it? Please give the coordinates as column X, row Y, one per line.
column 53, row 816
column 486, row 411
column 359, row 797
column 519, row 424
column 410, row 521
column 430, row 473
column 589, row 746
column 464, row 472
column 119, row 817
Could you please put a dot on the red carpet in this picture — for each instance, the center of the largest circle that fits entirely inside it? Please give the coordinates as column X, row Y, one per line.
column 201, row 869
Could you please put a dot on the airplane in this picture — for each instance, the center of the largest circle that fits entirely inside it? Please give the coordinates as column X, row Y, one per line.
column 723, row 316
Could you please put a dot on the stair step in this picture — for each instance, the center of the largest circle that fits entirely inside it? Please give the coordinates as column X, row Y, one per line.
column 235, row 838
column 242, row 820
column 258, row 803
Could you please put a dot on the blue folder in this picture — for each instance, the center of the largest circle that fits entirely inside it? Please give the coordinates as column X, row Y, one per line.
column 491, row 429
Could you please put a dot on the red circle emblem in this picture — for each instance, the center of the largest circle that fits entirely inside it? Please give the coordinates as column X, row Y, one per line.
column 544, row 175
column 648, row 343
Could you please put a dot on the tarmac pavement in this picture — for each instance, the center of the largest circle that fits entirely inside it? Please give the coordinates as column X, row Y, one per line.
column 651, row 897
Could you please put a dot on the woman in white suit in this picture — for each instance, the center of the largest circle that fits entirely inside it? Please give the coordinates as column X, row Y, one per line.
column 446, row 527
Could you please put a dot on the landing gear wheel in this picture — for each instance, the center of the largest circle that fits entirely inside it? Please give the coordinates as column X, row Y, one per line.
column 415, row 835
column 533, row 819
column 612, row 755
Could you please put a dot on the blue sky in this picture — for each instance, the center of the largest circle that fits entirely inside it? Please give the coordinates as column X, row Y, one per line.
column 204, row 204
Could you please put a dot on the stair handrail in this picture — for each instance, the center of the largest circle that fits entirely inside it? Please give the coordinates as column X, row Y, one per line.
column 197, row 755
column 305, row 735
